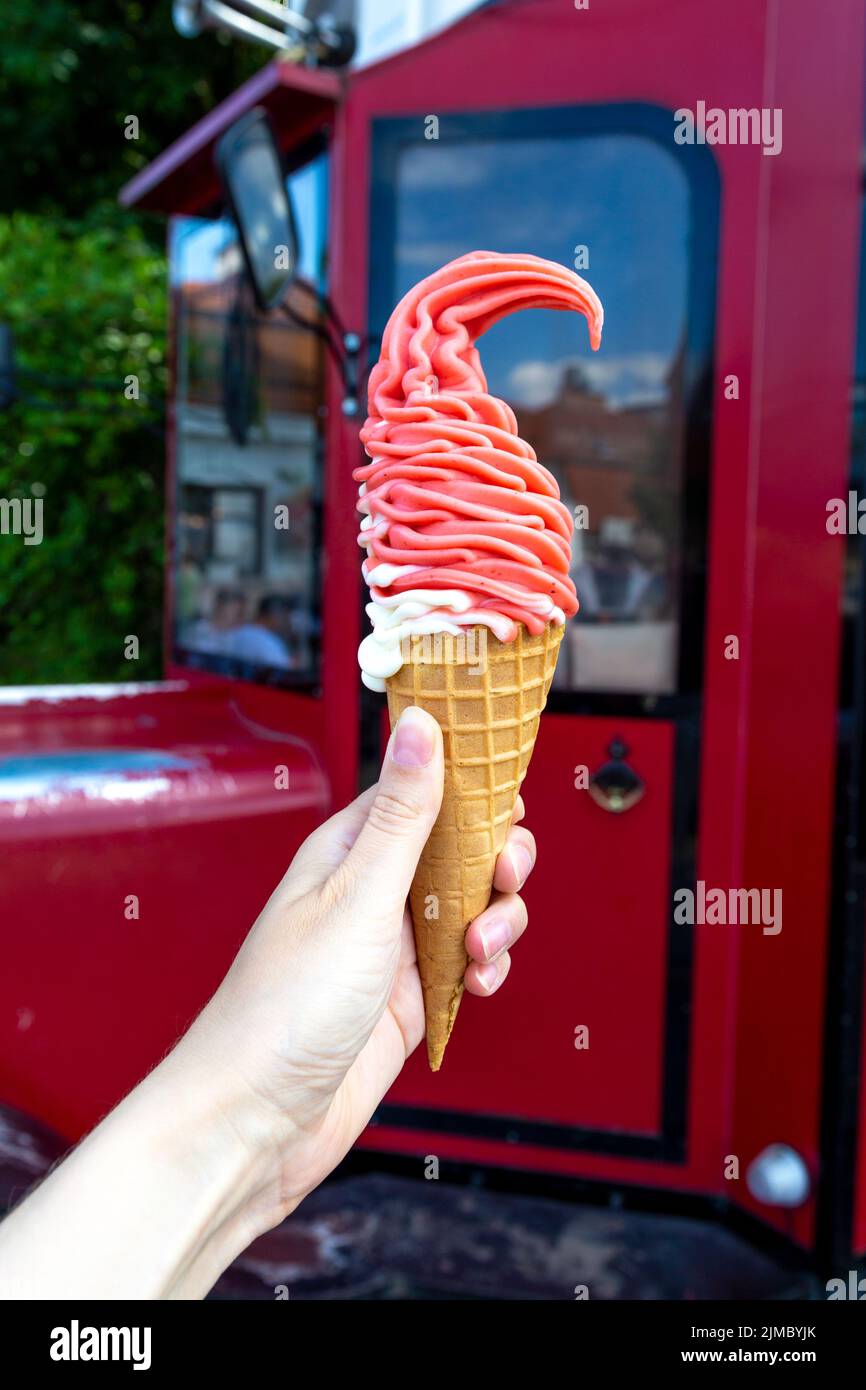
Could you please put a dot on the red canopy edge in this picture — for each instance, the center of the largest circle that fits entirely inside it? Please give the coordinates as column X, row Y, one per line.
column 182, row 179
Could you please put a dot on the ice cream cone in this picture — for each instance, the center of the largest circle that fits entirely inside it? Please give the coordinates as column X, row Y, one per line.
column 487, row 697
column 465, row 533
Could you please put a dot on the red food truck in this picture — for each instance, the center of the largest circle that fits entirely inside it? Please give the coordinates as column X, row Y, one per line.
column 704, row 738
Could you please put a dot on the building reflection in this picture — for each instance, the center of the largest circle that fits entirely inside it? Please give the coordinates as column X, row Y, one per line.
column 619, row 467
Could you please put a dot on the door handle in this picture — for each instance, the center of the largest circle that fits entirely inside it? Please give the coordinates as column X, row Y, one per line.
column 616, row 786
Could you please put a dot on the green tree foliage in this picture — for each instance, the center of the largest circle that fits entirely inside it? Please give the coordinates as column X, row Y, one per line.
column 88, row 311
column 83, row 285
column 71, row 73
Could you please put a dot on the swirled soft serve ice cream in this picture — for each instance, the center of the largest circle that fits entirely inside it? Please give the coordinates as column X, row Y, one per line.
column 465, row 536
column 461, row 523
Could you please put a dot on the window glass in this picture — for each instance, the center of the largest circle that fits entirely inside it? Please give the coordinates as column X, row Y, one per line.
column 249, row 422
column 609, row 425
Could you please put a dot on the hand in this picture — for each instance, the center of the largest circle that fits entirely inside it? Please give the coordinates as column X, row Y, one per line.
column 280, row 1072
column 323, row 1004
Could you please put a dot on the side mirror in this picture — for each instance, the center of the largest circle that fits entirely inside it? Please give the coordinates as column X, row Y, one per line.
column 251, row 171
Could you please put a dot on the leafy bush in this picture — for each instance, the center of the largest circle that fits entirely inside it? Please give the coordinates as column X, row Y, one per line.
column 88, row 312
column 83, row 286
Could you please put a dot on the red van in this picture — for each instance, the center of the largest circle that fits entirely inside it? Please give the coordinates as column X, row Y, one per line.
column 716, row 669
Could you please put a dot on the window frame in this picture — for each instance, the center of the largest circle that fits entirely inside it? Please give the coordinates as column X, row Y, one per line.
column 390, row 135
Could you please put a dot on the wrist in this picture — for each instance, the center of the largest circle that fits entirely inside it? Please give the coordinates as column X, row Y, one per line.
column 226, row 1150
column 153, row 1204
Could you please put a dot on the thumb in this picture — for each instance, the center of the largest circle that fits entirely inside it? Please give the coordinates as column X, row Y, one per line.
column 406, row 803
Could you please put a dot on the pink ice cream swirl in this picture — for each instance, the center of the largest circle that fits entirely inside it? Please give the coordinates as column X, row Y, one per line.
column 462, row 524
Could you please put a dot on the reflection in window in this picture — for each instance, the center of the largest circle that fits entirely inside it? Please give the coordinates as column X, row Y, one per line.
column 608, row 425
column 248, row 455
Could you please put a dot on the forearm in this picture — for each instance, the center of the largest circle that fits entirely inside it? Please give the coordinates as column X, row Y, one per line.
column 155, row 1203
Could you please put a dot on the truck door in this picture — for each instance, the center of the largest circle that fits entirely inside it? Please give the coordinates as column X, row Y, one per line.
column 612, row 789
column 630, row 1045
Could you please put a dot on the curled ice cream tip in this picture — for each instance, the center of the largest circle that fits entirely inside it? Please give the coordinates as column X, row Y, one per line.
column 462, row 525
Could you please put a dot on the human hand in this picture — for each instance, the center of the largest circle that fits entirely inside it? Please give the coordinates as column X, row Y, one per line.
column 323, row 1003
column 280, row 1072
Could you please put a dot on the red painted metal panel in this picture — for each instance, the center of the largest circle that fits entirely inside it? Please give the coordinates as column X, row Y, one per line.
column 341, row 625
column 167, row 795
column 804, row 332
column 532, row 1158
column 550, row 55
column 183, row 179
column 599, row 904
column 752, row 814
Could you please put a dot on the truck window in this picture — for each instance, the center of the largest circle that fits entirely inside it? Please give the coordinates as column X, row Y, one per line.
column 593, row 189
column 248, row 440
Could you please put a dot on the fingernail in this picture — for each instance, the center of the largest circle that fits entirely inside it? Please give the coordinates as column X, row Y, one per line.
column 495, row 936
column 522, row 861
column 487, row 976
column 413, row 738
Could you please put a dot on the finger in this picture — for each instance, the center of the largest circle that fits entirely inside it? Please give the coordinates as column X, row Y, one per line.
column 326, row 847
column 496, row 928
column 516, row 861
column 519, row 811
column 484, row 980
column 400, row 816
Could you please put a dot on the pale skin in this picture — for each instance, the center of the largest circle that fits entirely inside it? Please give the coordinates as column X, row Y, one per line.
column 280, row 1073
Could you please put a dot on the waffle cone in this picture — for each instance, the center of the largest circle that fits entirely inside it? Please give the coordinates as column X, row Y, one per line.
column 487, row 697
